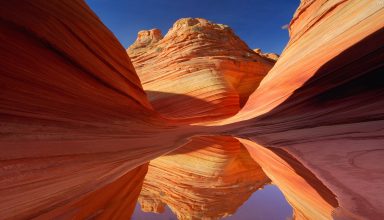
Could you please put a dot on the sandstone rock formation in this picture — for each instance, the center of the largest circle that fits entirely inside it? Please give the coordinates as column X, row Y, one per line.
column 209, row 178
column 272, row 56
column 198, row 71
column 76, row 125
column 74, row 117
column 320, row 101
column 322, row 57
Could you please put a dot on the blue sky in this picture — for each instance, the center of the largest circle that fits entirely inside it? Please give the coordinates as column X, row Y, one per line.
column 257, row 22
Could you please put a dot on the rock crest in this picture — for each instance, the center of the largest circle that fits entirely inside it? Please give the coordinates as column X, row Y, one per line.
column 202, row 68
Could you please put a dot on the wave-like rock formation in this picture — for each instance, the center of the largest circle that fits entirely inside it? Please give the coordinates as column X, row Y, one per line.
column 198, row 71
column 77, row 129
column 329, row 52
column 321, row 104
column 194, row 180
column 73, row 115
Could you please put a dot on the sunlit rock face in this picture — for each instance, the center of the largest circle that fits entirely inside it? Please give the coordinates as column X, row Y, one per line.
column 199, row 71
column 272, row 56
column 208, row 178
column 319, row 102
column 333, row 46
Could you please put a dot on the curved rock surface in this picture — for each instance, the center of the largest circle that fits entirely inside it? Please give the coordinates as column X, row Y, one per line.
column 49, row 85
column 320, row 101
column 329, row 49
column 199, row 71
column 76, row 123
column 74, row 117
column 193, row 180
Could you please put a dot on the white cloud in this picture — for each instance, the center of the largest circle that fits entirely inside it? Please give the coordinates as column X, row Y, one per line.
column 285, row 27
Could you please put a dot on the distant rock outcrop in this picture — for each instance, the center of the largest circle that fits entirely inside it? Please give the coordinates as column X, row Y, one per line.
column 272, row 56
column 199, row 71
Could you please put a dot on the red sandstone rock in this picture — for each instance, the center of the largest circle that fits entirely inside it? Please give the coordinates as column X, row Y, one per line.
column 74, row 117
column 320, row 102
column 67, row 86
column 198, row 71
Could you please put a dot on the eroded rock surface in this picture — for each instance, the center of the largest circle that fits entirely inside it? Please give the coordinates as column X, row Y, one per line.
column 328, row 51
column 320, row 101
column 76, row 123
column 199, row 70
column 272, row 56
column 74, row 117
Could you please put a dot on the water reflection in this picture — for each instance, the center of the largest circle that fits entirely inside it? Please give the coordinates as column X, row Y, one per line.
column 209, row 178
column 266, row 203
column 221, row 177
column 308, row 196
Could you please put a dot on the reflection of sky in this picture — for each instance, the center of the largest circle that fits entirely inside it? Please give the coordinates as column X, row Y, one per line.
column 166, row 215
column 265, row 204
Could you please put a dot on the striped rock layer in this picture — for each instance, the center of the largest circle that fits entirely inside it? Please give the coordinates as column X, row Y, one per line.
column 77, row 129
column 74, row 119
column 198, row 71
column 333, row 45
column 321, row 103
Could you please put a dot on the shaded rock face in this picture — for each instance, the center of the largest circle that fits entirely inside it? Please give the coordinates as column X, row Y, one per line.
column 49, row 86
column 198, row 64
column 193, row 180
column 70, row 106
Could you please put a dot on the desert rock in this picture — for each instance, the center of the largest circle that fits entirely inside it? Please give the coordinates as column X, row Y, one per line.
column 199, row 70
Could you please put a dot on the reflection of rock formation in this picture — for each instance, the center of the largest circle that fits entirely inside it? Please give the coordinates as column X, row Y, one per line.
column 322, row 188
column 308, row 196
column 206, row 179
column 116, row 200
column 200, row 59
